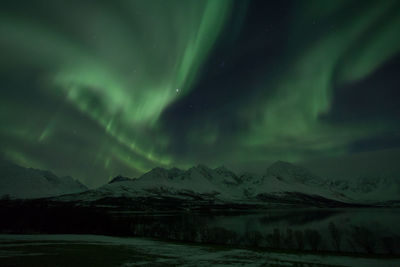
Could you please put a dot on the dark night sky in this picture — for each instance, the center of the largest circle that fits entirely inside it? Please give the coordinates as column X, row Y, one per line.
column 99, row 88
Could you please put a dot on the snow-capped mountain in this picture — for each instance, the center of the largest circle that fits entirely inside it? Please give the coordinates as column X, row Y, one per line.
column 119, row 178
column 283, row 179
column 369, row 189
column 291, row 173
column 282, row 182
column 200, row 180
column 20, row 182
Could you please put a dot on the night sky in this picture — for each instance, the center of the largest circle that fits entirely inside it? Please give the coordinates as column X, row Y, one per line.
column 94, row 88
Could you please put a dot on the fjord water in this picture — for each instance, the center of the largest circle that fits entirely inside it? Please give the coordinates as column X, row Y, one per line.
column 361, row 230
column 277, row 237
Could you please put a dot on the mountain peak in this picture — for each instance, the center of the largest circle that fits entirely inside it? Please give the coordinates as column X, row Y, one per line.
column 221, row 168
column 281, row 163
column 119, row 178
column 155, row 173
column 21, row 182
column 158, row 169
column 289, row 172
column 202, row 167
column 174, row 172
column 175, row 169
column 161, row 173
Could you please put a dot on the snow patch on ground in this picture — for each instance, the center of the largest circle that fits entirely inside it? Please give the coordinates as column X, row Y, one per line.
column 166, row 253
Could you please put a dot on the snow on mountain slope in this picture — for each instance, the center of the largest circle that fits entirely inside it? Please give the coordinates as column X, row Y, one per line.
column 293, row 174
column 20, row 182
column 119, row 178
column 283, row 177
column 201, row 180
column 282, row 181
column 369, row 189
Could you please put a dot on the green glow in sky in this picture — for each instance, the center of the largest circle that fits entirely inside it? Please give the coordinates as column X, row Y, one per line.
column 88, row 85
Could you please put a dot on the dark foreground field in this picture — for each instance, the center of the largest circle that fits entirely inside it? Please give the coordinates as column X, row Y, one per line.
column 90, row 250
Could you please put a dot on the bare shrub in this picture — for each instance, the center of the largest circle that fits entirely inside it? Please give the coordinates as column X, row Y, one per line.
column 389, row 244
column 274, row 239
column 313, row 238
column 254, row 238
column 5, row 197
column 299, row 237
column 336, row 236
column 363, row 238
column 289, row 239
column 218, row 235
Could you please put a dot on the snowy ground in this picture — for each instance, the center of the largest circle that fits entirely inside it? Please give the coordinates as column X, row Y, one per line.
column 90, row 250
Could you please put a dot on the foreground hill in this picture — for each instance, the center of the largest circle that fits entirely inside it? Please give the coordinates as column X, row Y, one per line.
column 27, row 183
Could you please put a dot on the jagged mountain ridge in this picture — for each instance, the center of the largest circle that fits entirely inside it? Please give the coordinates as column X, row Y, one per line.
column 26, row 183
column 281, row 182
column 292, row 173
column 199, row 180
column 368, row 189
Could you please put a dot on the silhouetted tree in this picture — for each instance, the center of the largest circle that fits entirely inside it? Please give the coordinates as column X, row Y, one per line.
column 336, row 236
column 363, row 238
column 313, row 238
column 254, row 238
column 289, row 239
column 5, row 197
column 299, row 237
column 274, row 239
column 389, row 244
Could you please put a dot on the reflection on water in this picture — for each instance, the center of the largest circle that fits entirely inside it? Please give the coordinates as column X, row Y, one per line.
column 363, row 230
column 351, row 230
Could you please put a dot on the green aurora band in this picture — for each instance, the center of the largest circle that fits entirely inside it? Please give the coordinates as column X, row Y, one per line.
column 103, row 73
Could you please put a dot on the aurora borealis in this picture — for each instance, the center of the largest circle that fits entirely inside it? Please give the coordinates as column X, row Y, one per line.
column 94, row 88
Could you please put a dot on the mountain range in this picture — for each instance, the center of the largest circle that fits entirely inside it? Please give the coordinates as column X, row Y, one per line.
column 27, row 183
column 282, row 183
